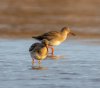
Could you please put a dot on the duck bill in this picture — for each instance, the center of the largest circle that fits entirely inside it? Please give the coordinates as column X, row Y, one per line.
column 72, row 34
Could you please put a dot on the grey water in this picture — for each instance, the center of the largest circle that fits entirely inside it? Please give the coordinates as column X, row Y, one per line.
column 79, row 68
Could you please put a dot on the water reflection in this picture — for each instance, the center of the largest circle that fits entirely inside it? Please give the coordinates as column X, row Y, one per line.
column 39, row 68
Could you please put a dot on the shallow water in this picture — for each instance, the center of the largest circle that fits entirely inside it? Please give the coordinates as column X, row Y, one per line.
column 79, row 68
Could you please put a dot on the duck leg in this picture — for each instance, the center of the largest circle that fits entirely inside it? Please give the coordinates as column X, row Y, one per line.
column 32, row 61
column 39, row 62
column 52, row 50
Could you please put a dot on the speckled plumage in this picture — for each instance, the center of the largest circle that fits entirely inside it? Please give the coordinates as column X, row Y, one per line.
column 39, row 51
column 54, row 37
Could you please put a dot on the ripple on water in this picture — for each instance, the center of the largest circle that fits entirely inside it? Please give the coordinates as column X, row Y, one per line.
column 95, row 80
column 52, row 85
column 66, row 78
column 69, row 73
column 75, row 70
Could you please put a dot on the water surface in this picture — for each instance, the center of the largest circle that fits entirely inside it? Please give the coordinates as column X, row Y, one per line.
column 79, row 68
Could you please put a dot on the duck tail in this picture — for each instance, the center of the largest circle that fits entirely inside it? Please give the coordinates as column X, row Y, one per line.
column 37, row 37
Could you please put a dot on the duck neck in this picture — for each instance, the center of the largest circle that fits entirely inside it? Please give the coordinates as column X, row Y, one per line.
column 64, row 34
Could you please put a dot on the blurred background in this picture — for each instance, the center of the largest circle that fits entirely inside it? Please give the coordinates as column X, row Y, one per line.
column 25, row 18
